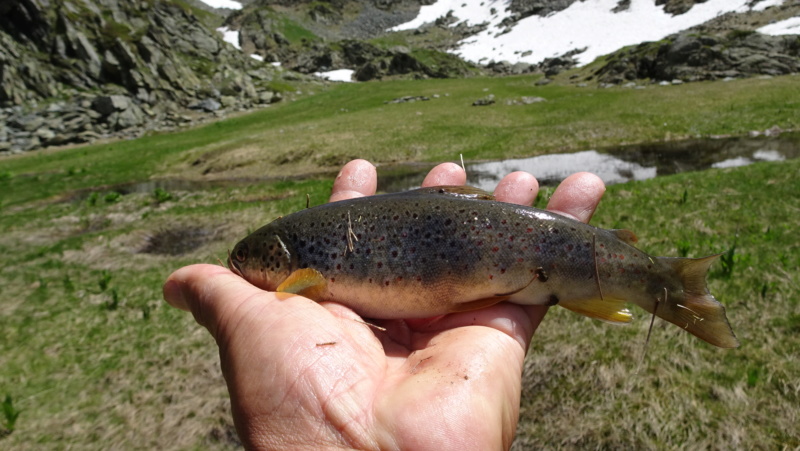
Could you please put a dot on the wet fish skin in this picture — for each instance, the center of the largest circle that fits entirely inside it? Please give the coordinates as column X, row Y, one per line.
column 441, row 250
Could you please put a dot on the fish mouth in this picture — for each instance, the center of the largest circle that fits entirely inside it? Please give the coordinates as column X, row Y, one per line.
column 232, row 265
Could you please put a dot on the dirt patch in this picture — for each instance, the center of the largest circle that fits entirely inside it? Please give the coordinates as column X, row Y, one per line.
column 178, row 240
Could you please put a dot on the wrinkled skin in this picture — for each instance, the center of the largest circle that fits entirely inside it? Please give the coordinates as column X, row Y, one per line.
column 307, row 375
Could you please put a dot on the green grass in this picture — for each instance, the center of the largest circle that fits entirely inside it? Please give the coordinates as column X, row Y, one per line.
column 93, row 358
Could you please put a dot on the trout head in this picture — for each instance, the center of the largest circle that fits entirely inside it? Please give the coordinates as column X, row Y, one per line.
column 262, row 259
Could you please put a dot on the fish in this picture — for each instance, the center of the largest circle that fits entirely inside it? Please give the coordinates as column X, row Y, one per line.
column 447, row 249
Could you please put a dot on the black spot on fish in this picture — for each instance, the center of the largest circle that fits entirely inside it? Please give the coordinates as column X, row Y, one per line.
column 541, row 275
column 552, row 300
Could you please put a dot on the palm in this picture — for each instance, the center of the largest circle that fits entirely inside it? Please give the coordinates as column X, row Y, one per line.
column 452, row 383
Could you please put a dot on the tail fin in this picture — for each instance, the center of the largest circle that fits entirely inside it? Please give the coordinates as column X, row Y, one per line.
column 698, row 312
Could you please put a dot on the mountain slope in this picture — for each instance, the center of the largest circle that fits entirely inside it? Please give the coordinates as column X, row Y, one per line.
column 104, row 66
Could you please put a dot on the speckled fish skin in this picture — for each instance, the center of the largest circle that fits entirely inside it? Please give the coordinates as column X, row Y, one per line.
column 440, row 250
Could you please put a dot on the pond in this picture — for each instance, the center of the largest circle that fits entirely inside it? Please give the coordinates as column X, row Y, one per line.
column 613, row 165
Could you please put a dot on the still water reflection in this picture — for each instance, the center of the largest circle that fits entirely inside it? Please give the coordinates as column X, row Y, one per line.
column 614, row 165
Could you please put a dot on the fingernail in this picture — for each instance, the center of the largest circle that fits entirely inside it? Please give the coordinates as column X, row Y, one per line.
column 173, row 294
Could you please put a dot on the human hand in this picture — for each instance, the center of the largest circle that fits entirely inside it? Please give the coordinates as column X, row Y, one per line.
column 307, row 375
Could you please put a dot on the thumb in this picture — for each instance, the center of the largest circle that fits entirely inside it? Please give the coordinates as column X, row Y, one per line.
column 213, row 294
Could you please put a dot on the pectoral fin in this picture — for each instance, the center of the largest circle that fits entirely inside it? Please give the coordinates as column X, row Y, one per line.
column 610, row 310
column 306, row 282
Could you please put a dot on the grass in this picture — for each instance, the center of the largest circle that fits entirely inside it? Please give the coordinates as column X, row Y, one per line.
column 93, row 358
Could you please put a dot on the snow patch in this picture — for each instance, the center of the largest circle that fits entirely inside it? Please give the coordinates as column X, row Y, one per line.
column 230, row 4
column 589, row 24
column 230, row 36
column 345, row 75
column 788, row 26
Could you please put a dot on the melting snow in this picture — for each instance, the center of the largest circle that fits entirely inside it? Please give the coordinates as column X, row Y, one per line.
column 230, row 36
column 788, row 26
column 337, row 75
column 230, row 4
column 589, row 24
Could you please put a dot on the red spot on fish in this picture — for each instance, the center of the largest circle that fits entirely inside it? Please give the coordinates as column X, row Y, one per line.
column 503, row 221
column 622, row 257
column 495, row 249
column 569, row 247
column 491, row 277
column 399, row 278
column 502, row 270
column 383, row 238
column 479, row 243
column 511, row 238
column 520, row 260
column 488, row 226
column 333, row 280
column 530, row 229
column 387, row 283
column 419, row 279
column 380, row 264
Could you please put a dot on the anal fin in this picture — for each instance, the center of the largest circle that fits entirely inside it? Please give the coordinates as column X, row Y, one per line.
column 306, row 282
column 610, row 310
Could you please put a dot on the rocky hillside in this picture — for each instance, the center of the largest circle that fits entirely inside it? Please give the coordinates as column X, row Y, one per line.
column 312, row 36
column 76, row 71
column 690, row 56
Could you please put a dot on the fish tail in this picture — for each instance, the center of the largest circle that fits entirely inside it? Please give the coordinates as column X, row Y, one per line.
column 698, row 311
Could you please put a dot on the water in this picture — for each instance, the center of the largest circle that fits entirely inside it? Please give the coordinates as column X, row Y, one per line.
column 613, row 165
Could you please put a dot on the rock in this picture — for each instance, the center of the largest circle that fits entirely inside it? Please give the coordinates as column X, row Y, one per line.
column 208, row 105
column 408, row 99
column 529, row 100
column 28, row 123
column 44, row 134
column 228, row 101
column 488, row 100
column 107, row 105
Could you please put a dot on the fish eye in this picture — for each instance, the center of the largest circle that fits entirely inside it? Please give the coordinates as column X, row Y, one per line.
column 240, row 254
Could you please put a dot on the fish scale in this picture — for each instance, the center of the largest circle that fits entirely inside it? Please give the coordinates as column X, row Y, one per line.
column 434, row 251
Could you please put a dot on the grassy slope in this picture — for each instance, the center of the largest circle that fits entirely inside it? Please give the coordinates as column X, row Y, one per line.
column 324, row 130
column 94, row 358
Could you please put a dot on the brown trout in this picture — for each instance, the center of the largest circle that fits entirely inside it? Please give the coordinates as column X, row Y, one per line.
column 433, row 251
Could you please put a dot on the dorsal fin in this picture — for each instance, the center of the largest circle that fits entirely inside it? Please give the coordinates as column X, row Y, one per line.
column 463, row 191
column 625, row 235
